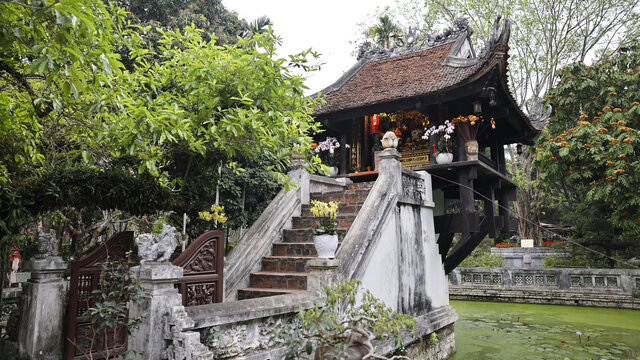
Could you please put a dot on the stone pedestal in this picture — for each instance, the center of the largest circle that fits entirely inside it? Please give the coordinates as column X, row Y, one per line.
column 299, row 175
column 148, row 340
column 390, row 165
column 43, row 307
column 321, row 272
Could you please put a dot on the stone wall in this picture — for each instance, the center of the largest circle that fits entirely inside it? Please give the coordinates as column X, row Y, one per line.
column 242, row 329
column 516, row 257
column 566, row 286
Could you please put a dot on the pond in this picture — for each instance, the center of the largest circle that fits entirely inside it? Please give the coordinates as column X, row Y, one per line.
column 487, row 330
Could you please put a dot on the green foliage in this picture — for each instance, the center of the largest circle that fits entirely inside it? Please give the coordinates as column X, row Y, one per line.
column 589, row 155
column 81, row 133
column 483, row 258
column 330, row 327
column 110, row 313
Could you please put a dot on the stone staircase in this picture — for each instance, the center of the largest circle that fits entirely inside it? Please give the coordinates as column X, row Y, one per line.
column 283, row 272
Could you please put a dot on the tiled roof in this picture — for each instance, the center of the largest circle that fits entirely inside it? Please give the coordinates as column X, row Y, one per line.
column 399, row 77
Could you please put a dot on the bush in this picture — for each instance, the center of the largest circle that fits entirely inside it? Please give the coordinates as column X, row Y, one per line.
column 483, row 258
column 330, row 328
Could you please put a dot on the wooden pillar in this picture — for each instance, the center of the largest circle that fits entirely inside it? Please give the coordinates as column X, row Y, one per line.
column 466, row 175
column 343, row 154
column 366, row 157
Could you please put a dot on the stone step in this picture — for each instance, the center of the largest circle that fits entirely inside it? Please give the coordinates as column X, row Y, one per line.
column 252, row 293
column 285, row 263
column 278, row 280
column 343, row 209
column 306, row 235
column 346, row 196
column 294, row 249
column 302, row 222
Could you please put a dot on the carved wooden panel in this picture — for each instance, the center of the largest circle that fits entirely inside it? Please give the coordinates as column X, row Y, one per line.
column 203, row 263
column 85, row 275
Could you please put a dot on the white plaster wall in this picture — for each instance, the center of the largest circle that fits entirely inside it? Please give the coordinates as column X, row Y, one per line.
column 381, row 275
column 437, row 285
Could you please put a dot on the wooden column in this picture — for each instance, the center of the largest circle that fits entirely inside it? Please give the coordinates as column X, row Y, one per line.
column 343, row 154
column 466, row 175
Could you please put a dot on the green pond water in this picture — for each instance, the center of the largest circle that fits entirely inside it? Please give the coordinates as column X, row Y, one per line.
column 488, row 330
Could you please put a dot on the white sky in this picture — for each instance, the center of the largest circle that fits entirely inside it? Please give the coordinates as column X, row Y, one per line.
column 326, row 26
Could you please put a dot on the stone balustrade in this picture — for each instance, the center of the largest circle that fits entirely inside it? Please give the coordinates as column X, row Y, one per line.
column 592, row 287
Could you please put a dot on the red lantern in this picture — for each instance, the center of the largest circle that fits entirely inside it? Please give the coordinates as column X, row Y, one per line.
column 375, row 124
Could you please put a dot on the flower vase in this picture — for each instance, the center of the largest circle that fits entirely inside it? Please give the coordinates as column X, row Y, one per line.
column 444, row 158
column 471, row 149
column 326, row 245
column 333, row 171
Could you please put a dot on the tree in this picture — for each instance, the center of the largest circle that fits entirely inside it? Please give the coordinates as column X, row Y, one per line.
column 589, row 155
column 259, row 25
column 384, row 31
column 68, row 102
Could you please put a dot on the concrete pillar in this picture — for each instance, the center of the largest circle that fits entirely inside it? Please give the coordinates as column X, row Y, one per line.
column 299, row 175
column 157, row 279
column 321, row 272
column 390, row 164
column 43, row 307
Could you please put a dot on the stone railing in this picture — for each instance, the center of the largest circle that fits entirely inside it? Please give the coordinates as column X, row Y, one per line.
column 565, row 286
column 242, row 329
column 569, row 279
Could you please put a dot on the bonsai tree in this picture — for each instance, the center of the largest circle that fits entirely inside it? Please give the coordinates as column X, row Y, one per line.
column 340, row 328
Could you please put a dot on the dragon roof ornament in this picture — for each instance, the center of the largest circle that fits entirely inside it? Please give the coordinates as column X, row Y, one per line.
column 410, row 43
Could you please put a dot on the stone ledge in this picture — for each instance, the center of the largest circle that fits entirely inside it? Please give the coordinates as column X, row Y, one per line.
column 243, row 310
column 425, row 325
column 547, row 297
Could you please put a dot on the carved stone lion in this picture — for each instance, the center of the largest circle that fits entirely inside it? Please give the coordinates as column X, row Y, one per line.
column 157, row 249
column 389, row 140
column 47, row 245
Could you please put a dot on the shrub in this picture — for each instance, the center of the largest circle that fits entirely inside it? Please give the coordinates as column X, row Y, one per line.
column 329, row 328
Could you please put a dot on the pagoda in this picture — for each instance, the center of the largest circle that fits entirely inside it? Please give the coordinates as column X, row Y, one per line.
column 410, row 88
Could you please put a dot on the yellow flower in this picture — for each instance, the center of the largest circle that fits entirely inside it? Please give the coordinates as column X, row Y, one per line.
column 622, row 156
column 613, row 93
column 553, row 158
column 322, row 209
column 611, row 178
column 635, row 103
column 583, row 116
column 618, row 171
column 627, row 140
column 609, row 163
column 216, row 214
column 617, row 110
column 602, row 130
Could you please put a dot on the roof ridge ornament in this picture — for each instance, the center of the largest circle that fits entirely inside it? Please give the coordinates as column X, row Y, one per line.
column 538, row 117
column 497, row 36
column 410, row 42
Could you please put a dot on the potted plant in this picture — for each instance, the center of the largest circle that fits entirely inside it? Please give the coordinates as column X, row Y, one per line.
column 325, row 234
column 471, row 126
column 341, row 327
column 326, row 149
column 442, row 146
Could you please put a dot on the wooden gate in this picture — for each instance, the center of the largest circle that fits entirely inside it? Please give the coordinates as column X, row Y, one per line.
column 85, row 276
column 203, row 262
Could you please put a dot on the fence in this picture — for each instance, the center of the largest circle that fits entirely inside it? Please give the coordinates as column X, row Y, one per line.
column 568, row 286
